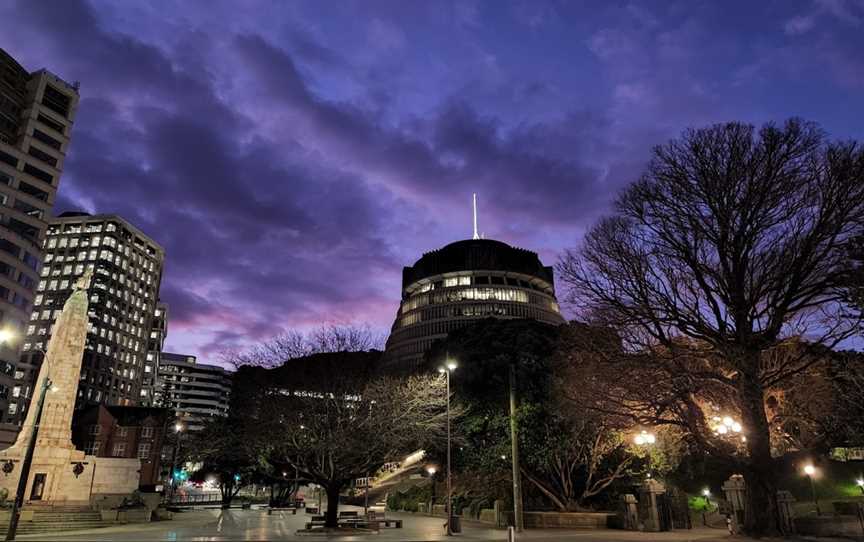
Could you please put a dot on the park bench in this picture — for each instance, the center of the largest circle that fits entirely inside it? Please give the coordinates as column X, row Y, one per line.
column 316, row 521
column 271, row 509
column 381, row 518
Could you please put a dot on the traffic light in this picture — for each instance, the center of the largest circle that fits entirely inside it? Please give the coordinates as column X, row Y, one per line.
column 181, row 475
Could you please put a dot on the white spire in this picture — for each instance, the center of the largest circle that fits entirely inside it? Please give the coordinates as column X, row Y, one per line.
column 476, row 235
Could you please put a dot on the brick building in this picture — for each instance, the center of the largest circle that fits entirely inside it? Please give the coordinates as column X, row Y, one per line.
column 122, row 431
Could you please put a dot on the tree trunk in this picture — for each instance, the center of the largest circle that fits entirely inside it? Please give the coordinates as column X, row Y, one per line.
column 227, row 495
column 331, row 519
column 760, row 476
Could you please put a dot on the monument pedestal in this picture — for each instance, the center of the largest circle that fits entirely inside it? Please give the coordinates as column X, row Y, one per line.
column 69, row 477
column 60, row 474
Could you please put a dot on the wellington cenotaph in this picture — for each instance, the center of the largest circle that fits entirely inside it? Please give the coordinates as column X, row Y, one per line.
column 60, row 473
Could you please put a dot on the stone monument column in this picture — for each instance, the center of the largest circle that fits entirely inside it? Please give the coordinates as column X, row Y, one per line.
column 62, row 365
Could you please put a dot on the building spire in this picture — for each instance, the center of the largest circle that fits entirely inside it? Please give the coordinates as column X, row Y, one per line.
column 476, row 235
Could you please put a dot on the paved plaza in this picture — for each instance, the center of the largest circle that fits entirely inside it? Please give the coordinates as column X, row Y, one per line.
column 217, row 525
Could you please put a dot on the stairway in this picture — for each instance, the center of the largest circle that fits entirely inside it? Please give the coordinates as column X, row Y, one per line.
column 57, row 518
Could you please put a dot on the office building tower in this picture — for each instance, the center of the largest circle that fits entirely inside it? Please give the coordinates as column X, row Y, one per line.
column 158, row 333
column 195, row 391
column 127, row 272
column 37, row 110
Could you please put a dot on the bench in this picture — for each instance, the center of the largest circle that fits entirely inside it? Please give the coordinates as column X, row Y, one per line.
column 358, row 523
column 317, row 521
column 272, row 509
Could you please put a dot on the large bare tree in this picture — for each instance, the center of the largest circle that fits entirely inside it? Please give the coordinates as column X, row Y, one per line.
column 295, row 344
column 733, row 240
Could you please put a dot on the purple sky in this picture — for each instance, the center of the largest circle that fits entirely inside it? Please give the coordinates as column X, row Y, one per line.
column 292, row 156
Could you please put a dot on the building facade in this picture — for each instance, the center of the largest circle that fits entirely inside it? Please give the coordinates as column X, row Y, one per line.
column 127, row 272
column 158, row 333
column 36, row 114
column 194, row 391
column 461, row 283
column 124, row 432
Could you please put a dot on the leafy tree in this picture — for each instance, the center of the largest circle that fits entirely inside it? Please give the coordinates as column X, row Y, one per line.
column 732, row 241
column 568, row 455
column 346, row 430
column 225, row 448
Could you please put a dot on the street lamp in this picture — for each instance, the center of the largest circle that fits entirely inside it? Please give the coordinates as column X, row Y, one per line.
column 707, row 494
column 431, row 470
column 448, row 368
column 7, row 335
column 644, row 439
column 726, row 426
column 178, row 429
column 860, row 483
column 809, row 471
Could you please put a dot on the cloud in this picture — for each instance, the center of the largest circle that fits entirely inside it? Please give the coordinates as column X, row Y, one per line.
column 291, row 163
column 800, row 24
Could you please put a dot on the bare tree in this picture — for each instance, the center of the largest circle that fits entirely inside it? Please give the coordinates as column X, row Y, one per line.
column 733, row 239
column 349, row 431
column 295, row 344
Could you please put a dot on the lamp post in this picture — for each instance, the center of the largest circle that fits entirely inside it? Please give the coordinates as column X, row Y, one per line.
column 707, row 494
column 178, row 429
column 6, row 336
column 809, row 471
column 28, row 461
column 432, row 470
column 448, row 368
column 644, row 440
column 514, row 452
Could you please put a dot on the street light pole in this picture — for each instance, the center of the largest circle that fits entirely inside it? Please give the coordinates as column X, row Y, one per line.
column 449, row 487
column 25, row 465
column 178, row 427
column 432, row 471
column 447, row 369
column 514, row 448
column 809, row 471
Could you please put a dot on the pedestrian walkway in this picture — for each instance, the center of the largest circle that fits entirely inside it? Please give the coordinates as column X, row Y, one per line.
column 235, row 524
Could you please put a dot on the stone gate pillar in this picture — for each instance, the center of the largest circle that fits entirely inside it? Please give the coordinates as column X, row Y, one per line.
column 629, row 512
column 735, row 491
column 785, row 515
column 649, row 511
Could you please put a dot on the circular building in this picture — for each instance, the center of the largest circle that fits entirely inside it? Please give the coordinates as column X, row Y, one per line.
column 463, row 282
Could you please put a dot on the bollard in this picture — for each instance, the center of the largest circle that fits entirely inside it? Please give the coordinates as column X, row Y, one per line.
column 511, row 534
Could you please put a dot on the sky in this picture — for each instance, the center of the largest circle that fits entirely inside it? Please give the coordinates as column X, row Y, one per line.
column 292, row 157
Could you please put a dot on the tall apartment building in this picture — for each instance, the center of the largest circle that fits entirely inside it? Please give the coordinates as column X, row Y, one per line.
column 36, row 114
column 127, row 272
column 156, row 341
column 195, row 391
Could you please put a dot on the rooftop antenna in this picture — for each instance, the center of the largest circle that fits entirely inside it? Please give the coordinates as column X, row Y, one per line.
column 476, row 235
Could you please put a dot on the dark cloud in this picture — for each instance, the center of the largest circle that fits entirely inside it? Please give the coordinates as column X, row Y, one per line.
column 290, row 162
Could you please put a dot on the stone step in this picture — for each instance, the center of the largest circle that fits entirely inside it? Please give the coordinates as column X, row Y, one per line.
column 28, row 527
column 63, row 520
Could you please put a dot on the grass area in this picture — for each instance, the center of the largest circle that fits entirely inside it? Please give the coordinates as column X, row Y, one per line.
column 833, row 481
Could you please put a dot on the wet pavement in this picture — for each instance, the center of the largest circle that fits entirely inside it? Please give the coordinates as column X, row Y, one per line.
column 224, row 525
